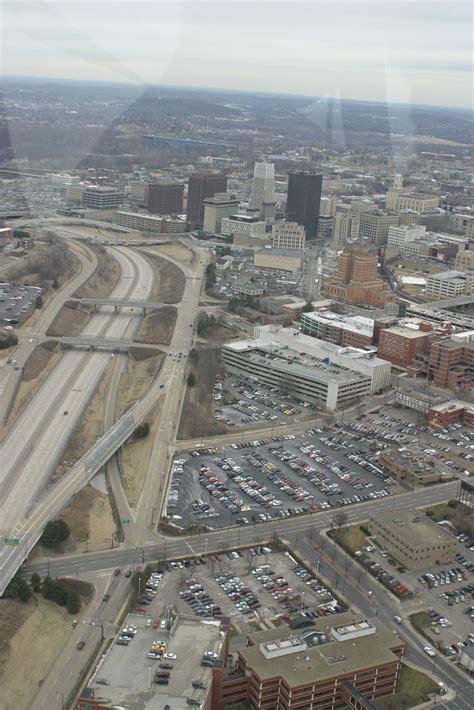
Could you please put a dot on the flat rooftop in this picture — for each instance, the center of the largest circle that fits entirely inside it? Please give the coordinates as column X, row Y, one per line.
column 356, row 324
column 286, row 359
column 411, row 461
column 129, row 671
column 406, row 332
column 324, row 660
column 413, row 527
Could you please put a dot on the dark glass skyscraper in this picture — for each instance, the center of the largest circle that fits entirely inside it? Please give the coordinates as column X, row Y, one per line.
column 302, row 205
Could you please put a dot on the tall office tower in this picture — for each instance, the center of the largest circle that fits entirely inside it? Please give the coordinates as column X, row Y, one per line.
column 262, row 193
column 201, row 185
column 341, row 229
column 394, row 193
column 165, row 197
column 304, row 196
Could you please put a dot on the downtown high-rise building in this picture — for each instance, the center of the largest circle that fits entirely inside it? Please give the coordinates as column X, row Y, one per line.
column 165, row 197
column 200, row 186
column 302, row 205
column 262, row 193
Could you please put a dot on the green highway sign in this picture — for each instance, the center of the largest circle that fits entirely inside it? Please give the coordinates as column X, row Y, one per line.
column 126, row 521
column 11, row 541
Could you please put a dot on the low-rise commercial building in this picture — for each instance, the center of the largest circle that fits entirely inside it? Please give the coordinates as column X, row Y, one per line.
column 413, row 538
column 302, row 376
column 450, row 362
column 408, row 467
column 462, row 224
column 155, row 224
column 324, row 667
column 284, row 259
column 399, row 236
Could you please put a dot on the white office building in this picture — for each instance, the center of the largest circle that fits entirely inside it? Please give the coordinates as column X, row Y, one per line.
column 399, row 236
column 288, row 235
column 262, row 193
column 224, row 204
column 242, row 224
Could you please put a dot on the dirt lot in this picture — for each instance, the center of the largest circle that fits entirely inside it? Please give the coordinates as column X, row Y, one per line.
column 105, row 277
column 37, row 368
column 135, row 457
column 136, row 380
column 70, row 320
column 90, row 426
column 158, row 328
column 181, row 254
column 168, row 280
column 32, row 636
column 197, row 418
column 90, row 520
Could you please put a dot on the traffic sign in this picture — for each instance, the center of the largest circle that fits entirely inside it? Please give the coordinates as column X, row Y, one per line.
column 11, row 541
column 126, row 521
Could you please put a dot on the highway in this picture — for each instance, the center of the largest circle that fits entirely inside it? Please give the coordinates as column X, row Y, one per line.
column 35, row 442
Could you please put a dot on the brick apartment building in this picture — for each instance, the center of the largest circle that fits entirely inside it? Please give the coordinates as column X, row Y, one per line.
column 401, row 346
column 165, row 197
column 357, row 281
column 317, row 669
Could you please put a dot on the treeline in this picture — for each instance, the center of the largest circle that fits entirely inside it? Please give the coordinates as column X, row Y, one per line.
column 7, row 339
column 50, row 588
column 50, row 264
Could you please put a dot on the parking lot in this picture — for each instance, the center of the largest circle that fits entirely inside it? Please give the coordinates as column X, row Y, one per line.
column 16, row 302
column 242, row 400
column 276, row 478
column 250, row 586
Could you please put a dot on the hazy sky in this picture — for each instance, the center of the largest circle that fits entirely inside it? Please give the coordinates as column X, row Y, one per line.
column 416, row 51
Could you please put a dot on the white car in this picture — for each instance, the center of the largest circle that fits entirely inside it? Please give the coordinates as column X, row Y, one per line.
column 170, row 656
column 429, row 651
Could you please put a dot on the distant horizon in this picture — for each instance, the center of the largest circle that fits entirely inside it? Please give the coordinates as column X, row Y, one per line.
column 408, row 52
column 250, row 92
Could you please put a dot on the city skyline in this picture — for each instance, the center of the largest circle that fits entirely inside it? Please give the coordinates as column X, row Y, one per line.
column 329, row 52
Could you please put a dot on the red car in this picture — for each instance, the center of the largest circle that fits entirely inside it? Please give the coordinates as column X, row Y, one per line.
column 142, row 610
column 156, row 623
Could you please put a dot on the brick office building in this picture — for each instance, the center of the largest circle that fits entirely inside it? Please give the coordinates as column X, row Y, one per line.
column 317, row 669
column 165, row 197
column 401, row 346
column 200, row 186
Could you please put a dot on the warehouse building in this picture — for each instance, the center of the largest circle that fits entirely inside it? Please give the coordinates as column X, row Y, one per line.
column 413, row 538
column 302, row 376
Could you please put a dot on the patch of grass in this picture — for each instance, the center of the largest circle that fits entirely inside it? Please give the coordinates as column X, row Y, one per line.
column 351, row 538
column 276, row 622
column 421, row 621
column 234, row 631
column 413, row 688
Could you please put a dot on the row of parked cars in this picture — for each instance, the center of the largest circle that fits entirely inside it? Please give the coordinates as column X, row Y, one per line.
column 388, row 580
column 239, row 593
column 176, row 482
column 200, row 601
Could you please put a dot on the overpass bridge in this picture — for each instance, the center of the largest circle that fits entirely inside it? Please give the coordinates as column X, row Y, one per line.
column 118, row 303
column 454, row 302
column 96, row 342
